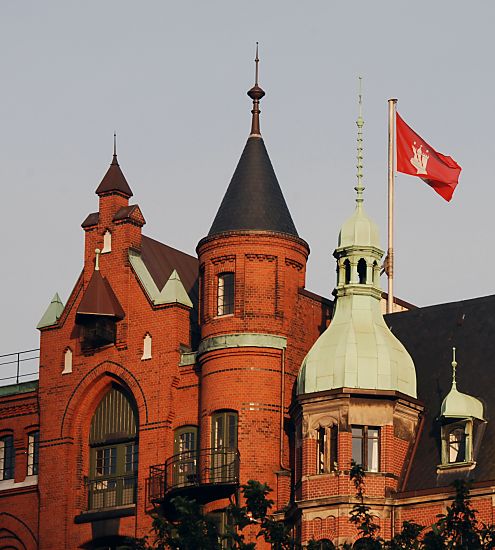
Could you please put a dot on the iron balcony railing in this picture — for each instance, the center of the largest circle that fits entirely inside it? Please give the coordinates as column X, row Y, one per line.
column 21, row 366
column 110, row 492
column 212, row 466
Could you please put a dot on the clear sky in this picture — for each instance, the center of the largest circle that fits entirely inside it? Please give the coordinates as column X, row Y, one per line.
column 171, row 79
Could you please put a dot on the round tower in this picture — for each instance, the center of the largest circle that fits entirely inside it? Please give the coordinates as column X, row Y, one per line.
column 252, row 267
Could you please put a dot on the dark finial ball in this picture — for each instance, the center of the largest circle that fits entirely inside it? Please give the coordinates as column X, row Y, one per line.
column 256, row 93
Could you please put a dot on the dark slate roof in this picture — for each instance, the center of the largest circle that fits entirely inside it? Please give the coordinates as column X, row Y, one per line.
column 254, row 200
column 99, row 299
column 131, row 212
column 114, row 181
column 429, row 333
column 91, row 219
column 161, row 260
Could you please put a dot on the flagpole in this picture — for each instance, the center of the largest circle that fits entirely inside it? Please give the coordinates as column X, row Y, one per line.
column 391, row 177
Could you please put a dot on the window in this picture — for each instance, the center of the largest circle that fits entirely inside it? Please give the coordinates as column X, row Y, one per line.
column 7, row 457
column 33, row 453
column 67, row 361
column 146, row 347
column 224, row 447
column 365, row 447
column 225, row 295
column 326, row 442
column 113, row 452
column 456, row 442
column 185, row 446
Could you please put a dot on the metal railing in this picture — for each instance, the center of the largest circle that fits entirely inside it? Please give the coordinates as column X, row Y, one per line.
column 110, row 492
column 22, row 366
column 193, row 469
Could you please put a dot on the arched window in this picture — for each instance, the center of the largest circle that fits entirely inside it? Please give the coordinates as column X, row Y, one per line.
column 457, row 443
column 362, row 268
column 225, row 294
column 324, row 544
column 67, row 361
column 224, row 446
column 146, row 347
column 376, row 273
column 185, row 449
column 347, row 268
column 326, row 443
column 113, row 444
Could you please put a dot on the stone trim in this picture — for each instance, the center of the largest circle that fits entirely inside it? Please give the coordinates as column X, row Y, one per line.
column 242, row 340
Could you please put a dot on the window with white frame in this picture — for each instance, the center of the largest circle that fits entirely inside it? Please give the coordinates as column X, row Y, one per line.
column 225, row 294
column 366, row 447
column 33, row 453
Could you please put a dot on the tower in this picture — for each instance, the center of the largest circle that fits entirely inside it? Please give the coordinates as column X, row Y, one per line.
column 252, row 269
column 356, row 390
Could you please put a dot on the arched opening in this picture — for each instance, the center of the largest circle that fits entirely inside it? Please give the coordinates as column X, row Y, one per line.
column 347, row 268
column 361, row 269
column 113, row 443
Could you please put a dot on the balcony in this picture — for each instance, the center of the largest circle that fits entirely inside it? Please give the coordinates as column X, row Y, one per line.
column 111, row 492
column 204, row 475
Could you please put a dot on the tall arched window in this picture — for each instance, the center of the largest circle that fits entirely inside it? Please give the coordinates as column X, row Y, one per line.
column 113, row 457
column 224, row 446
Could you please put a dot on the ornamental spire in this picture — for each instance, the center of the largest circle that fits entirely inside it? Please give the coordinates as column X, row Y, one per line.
column 114, row 160
column 256, row 93
column 360, row 123
column 454, row 367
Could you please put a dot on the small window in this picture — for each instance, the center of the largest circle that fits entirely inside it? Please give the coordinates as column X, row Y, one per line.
column 225, row 296
column 146, row 347
column 67, row 361
column 366, row 447
column 347, row 268
column 362, row 268
column 107, row 242
column 326, row 441
column 7, row 457
column 33, row 453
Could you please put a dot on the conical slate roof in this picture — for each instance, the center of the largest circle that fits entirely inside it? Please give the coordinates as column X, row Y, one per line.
column 114, row 181
column 254, row 200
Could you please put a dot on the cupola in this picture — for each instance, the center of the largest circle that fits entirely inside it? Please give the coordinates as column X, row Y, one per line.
column 358, row 350
column 462, row 425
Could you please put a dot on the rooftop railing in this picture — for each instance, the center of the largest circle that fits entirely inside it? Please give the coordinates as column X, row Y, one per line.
column 22, row 366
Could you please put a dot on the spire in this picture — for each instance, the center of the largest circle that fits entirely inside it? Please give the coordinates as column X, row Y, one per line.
column 114, row 160
column 454, row 367
column 114, row 180
column 254, row 200
column 360, row 123
column 52, row 313
column 256, row 93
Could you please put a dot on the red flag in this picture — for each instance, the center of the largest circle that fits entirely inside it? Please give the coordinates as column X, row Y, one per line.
column 416, row 158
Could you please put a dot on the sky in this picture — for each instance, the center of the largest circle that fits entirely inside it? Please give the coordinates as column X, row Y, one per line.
column 171, row 79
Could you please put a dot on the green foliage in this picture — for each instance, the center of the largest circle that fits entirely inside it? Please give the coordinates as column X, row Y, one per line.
column 360, row 515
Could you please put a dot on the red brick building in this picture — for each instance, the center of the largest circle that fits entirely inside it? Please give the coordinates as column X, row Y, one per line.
column 167, row 374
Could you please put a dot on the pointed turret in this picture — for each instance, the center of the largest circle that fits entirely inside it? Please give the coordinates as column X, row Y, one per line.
column 358, row 350
column 114, row 180
column 254, row 200
column 52, row 313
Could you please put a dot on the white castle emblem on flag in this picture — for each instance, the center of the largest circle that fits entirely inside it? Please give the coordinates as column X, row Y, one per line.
column 420, row 159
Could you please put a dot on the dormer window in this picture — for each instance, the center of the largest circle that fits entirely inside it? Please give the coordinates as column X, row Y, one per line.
column 225, row 294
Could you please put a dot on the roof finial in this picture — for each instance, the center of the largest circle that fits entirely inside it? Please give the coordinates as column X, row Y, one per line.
column 256, row 93
column 454, row 367
column 114, row 161
column 360, row 123
column 97, row 259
